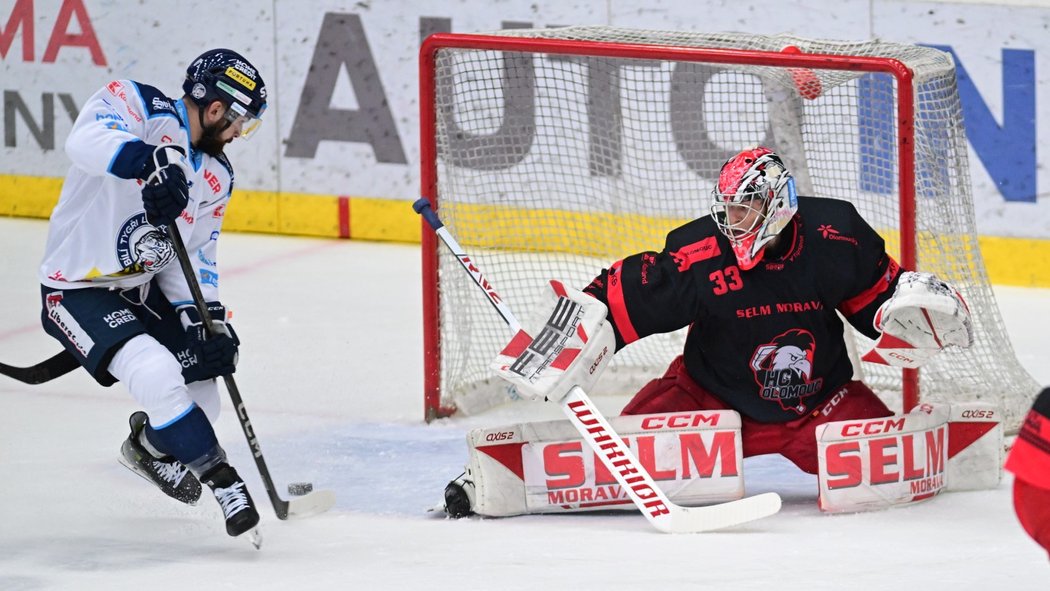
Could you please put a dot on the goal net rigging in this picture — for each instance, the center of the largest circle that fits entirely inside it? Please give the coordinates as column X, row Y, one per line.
column 551, row 153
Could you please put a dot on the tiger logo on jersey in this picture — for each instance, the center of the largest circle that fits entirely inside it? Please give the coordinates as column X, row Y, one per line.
column 783, row 368
column 141, row 248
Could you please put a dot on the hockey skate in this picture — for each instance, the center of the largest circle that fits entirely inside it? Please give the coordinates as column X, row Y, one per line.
column 166, row 473
column 232, row 495
column 459, row 497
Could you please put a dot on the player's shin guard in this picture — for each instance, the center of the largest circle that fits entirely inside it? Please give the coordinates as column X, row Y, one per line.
column 189, row 437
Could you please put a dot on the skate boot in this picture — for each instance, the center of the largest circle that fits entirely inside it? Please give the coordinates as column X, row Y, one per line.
column 232, row 495
column 166, row 473
column 459, row 497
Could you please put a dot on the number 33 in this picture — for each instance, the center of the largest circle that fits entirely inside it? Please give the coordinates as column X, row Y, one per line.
column 726, row 280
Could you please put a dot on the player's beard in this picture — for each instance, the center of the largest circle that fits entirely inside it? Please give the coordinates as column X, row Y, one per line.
column 211, row 142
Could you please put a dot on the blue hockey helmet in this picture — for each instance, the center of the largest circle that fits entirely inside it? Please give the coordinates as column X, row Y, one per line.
column 225, row 75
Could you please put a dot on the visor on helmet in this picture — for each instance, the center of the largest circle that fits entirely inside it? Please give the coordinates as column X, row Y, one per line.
column 242, row 119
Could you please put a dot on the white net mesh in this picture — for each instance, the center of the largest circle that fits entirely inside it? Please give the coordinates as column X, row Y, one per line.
column 554, row 166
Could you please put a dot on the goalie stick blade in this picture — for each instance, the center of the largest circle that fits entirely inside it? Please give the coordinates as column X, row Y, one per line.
column 664, row 515
column 312, row 503
column 691, row 520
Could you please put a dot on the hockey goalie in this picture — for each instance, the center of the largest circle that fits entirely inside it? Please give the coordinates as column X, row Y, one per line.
column 763, row 282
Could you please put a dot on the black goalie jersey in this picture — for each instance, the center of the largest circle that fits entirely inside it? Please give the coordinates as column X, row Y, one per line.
column 767, row 341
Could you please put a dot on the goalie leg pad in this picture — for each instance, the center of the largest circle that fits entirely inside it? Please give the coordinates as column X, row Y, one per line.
column 545, row 467
column 975, row 446
column 902, row 459
column 877, row 463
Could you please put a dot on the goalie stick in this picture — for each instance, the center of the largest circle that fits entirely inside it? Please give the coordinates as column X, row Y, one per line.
column 311, row 503
column 663, row 514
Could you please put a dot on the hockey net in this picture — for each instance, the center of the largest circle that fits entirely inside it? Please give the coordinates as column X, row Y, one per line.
column 551, row 153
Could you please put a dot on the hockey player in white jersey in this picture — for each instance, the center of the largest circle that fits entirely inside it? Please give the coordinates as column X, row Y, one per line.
column 113, row 292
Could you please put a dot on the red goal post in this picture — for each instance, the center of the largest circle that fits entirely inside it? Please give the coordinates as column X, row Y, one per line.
column 524, row 144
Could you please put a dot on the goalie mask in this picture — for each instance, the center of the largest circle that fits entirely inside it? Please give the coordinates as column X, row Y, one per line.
column 753, row 202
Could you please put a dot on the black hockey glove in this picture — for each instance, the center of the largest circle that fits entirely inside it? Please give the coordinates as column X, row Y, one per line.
column 166, row 191
column 216, row 355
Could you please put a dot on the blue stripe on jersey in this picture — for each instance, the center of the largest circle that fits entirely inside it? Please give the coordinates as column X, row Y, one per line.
column 154, row 101
column 196, row 156
column 127, row 163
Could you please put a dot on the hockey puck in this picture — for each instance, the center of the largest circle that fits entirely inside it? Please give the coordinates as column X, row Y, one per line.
column 300, row 488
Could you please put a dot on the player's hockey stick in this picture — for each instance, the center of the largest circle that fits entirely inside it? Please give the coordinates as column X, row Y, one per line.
column 57, row 365
column 311, row 503
column 663, row 514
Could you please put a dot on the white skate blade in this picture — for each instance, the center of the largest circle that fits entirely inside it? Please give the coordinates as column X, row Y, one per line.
column 254, row 537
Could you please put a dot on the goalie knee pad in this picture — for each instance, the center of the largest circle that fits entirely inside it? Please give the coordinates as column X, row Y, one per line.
column 545, row 467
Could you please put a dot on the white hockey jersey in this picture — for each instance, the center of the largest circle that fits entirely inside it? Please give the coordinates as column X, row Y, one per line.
column 99, row 236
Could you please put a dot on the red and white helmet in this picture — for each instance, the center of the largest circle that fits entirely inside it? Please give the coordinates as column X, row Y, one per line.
column 755, row 180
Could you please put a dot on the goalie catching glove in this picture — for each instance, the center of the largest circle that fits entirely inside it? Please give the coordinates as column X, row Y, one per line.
column 924, row 316
column 572, row 348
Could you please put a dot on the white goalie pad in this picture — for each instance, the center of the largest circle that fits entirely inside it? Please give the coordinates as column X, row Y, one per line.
column 573, row 346
column 975, row 446
column 924, row 316
column 878, row 463
column 545, row 467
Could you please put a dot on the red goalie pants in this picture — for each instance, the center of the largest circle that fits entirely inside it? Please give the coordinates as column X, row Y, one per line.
column 795, row 440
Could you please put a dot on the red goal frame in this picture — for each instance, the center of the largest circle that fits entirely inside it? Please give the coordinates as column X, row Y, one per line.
column 432, row 407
